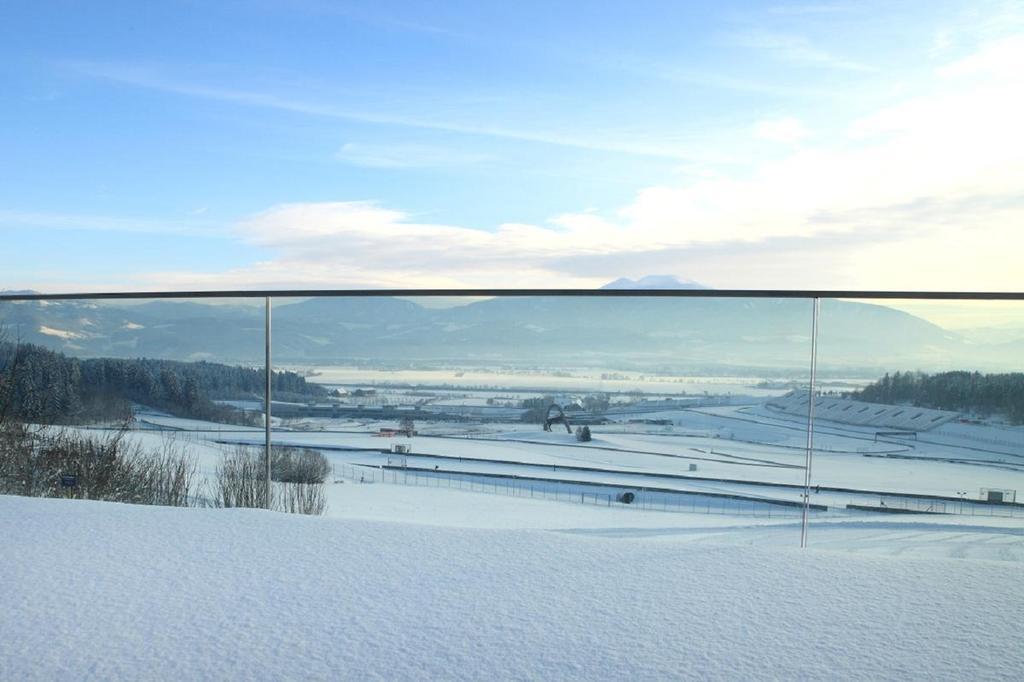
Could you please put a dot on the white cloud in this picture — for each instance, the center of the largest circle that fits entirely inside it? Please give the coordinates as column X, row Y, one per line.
column 942, row 41
column 925, row 194
column 364, row 243
column 926, row 191
column 787, row 130
column 1003, row 58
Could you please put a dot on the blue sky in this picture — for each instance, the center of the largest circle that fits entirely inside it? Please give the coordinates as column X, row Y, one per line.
column 347, row 144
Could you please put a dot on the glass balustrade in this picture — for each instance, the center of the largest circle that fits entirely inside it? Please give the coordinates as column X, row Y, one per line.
column 681, row 413
column 918, row 437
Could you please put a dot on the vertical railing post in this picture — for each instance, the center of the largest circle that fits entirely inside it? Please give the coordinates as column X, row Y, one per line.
column 816, row 309
column 266, row 398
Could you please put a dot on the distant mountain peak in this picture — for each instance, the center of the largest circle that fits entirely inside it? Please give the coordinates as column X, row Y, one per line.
column 654, row 282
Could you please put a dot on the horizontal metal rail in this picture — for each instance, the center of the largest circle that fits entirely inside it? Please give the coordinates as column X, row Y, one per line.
column 498, row 293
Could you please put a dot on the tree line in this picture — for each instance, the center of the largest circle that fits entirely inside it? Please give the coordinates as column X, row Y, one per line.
column 962, row 391
column 40, row 385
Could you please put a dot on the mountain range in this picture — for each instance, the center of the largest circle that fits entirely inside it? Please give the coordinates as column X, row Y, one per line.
column 640, row 333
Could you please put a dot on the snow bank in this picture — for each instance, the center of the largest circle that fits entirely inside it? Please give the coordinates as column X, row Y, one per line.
column 104, row 591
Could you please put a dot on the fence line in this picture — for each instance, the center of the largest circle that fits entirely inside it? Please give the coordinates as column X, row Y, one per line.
column 555, row 491
column 648, row 500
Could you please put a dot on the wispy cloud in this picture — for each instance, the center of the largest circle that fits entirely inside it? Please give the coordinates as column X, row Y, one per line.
column 19, row 219
column 927, row 193
column 1000, row 59
column 812, row 8
column 899, row 203
column 942, row 41
column 786, row 130
column 407, row 155
column 153, row 79
column 794, row 49
column 675, row 73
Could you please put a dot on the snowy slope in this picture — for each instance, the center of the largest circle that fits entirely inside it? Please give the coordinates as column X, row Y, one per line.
column 105, row 591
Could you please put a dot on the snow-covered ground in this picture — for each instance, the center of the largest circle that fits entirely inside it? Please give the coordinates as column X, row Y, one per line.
column 499, row 551
column 105, row 591
column 732, row 467
column 571, row 380
column 736, row 444
column 947, row 536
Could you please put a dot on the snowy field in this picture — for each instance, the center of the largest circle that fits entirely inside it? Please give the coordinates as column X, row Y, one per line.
column 573, row 379
column 105, row 591
column 746, row 451
column 729, row 468
column 501, row 551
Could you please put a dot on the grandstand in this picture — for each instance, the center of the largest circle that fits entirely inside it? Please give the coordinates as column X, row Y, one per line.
column 858, row 413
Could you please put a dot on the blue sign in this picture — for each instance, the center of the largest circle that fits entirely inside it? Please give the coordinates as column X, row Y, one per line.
column 68, row 480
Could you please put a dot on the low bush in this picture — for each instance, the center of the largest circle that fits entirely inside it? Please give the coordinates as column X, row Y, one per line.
column 300, row 498
column 241, row 479
column 291, row 465
column 298, row 477
column 45, row 462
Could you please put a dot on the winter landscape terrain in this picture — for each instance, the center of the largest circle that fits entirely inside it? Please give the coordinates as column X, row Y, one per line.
column 515, row 558
column 460, row 539
column 357, row 340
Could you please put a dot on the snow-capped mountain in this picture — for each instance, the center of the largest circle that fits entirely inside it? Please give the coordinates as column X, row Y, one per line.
column 654, row 282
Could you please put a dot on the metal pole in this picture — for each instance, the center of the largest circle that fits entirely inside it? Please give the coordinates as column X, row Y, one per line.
column 266, row 398
column 810, row 421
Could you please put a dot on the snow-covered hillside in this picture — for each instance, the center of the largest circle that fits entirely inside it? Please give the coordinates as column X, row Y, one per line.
column 104, row 591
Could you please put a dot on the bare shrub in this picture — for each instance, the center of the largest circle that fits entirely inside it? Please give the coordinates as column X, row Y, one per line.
column 34, row 462
column 170, row 476
column 240, row 479
column 298, row 477
column 104, row 467
column 292, row 465
column 300, row 498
